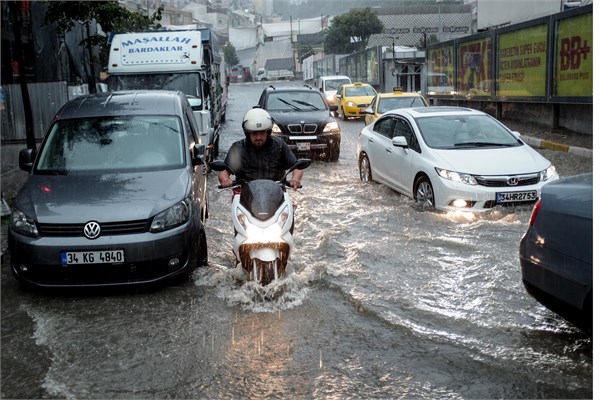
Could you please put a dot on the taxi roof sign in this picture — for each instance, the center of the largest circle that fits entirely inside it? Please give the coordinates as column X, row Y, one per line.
column 397, row 89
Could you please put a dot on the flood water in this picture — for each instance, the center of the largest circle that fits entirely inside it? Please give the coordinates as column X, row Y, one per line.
column 381, row 300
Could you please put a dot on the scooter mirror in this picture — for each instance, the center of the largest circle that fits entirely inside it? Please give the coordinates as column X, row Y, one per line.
column 301, row 163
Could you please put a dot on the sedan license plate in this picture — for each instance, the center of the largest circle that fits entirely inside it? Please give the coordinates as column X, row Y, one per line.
column 304, row 146
column 92, row 257
column 510, row 197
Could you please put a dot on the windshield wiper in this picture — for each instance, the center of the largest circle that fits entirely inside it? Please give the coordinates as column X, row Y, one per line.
column 288, row 103
column 304, row 103
column 482, row 144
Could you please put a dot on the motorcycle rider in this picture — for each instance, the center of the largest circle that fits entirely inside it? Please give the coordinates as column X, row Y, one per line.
column 260, row 155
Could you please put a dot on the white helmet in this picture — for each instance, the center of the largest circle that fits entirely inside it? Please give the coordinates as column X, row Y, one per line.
column 256, row 120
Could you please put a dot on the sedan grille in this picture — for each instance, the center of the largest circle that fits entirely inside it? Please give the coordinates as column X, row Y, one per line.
column 107, row 228
column 299, row 128
column 508, row 180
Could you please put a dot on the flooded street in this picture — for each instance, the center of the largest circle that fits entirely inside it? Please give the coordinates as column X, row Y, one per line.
column 381, row 300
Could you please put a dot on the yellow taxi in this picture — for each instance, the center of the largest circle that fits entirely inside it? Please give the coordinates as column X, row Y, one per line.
column 353, row 99
column 383, row 102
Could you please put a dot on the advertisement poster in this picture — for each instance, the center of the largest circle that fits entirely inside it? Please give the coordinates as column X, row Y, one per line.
column 475, row 67
column 372, row 66
column 573, row 76
column 440, row 74
column 522, row 62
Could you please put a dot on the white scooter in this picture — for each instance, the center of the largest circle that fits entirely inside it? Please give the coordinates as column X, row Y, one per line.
column 262, row 212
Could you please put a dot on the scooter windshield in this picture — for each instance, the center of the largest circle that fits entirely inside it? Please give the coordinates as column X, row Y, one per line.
column 262, row 197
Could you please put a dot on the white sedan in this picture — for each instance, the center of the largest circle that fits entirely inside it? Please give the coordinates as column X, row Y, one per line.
column 451, row 158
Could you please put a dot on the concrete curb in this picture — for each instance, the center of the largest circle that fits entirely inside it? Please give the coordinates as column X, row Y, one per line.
column 546, row 144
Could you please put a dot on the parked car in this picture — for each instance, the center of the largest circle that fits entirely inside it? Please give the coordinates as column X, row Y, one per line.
column 328, row 85
column 556, row 252
column 451, row 158
column 116, row 194
column 302, row 118
column 383, row 102
column 353, row 99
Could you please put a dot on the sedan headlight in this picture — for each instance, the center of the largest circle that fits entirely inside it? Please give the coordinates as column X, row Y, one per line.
column 456, row 176
column 22, row 224
column 331, row 127
column 172, row 217
column 276, row 128
column 351, row 104
column 548, row 173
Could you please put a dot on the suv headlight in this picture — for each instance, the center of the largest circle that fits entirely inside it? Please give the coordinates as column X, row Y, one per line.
column 548, row 173
column 22, row 224
column 456, row 176
column 172, row 217
column 331, row 127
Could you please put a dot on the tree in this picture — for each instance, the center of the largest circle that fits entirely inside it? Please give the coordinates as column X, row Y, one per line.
column 230, row 55
column 305, row 51
column 350, row 32
column 108, row 14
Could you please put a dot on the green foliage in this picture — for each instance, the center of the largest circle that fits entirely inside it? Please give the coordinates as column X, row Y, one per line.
column 305, row 51
column 230, row 54
column 350, row 32
column 108, row 14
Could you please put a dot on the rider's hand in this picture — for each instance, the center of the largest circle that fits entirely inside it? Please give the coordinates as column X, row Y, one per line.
column 226, row 182
column 295, row 184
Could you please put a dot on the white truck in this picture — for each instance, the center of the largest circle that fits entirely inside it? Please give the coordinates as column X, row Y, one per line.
column 185, row 60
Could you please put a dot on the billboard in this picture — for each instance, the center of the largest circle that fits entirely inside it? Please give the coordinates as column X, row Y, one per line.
column 522, row 62
column 474, row 73
column 573, row 67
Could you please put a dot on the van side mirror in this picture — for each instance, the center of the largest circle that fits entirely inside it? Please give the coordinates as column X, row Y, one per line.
column 26, row 157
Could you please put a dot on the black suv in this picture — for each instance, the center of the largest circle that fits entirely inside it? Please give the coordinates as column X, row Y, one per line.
column 303, row 119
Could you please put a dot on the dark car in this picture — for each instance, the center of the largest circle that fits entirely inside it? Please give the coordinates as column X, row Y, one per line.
column 556, row 251
column 303, row 119
column 116, row 194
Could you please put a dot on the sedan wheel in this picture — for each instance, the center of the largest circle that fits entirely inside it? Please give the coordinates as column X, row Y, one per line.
column 364, row 167
column 424, row 193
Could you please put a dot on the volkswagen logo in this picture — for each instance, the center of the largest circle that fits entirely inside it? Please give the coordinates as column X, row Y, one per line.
column 512, row 181
column 91, row 230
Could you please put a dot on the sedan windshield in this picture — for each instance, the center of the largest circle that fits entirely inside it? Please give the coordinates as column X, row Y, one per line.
column 464, row 131
column 112, row 145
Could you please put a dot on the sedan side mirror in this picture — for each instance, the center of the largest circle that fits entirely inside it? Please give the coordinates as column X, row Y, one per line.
column 400, row 141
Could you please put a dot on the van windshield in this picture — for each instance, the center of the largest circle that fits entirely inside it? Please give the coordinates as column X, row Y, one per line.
column 112, row 144
column 334, row 84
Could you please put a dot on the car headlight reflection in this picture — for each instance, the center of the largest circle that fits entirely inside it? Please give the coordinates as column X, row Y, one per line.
column 548, row 173
column 172, row 217
column 331, row 127
column 22, row 224
column 456, row 176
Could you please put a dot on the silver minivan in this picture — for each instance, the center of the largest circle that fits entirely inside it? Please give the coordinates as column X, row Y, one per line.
column 116, row 194
column 328, row 85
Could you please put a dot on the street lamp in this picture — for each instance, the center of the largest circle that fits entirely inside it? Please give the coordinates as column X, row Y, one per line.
column 394, row 56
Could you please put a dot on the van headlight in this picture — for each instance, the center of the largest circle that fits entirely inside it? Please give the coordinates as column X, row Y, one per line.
column 454, row 176
column 172, row 217
column 22, row 224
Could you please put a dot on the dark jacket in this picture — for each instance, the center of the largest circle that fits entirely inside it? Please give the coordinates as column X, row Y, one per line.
column 271, row 161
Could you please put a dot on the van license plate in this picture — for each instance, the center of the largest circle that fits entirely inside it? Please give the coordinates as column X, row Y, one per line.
column 92, row 257
column 509, row 197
